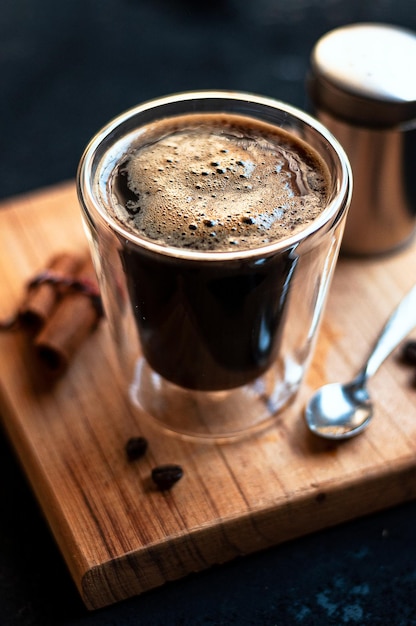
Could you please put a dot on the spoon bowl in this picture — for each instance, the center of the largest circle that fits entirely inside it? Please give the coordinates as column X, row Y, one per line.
column 340, row 411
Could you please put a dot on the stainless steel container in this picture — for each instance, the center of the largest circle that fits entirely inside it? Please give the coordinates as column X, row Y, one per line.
column 363, row 87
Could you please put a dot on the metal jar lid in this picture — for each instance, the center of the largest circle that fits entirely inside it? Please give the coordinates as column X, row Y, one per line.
column 366, row 74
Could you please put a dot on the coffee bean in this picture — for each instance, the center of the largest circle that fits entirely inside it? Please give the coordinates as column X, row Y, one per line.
column 135, row 448
column 165, row 476
column 408, row 353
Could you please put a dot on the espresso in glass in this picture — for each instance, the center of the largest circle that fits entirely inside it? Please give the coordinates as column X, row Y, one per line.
column 213, row 183
column 214, row 220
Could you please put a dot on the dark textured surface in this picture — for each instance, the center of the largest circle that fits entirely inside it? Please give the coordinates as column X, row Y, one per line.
column 66, row 68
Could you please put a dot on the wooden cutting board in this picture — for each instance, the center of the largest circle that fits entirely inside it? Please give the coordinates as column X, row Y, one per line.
column 120, row 536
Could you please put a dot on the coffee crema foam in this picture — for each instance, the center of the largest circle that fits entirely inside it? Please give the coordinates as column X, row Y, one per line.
column 218, row 182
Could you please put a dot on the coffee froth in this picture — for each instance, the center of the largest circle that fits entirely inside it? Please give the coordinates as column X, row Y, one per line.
column 217, row 182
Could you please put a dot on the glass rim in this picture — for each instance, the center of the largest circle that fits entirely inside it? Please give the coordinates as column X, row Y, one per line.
column 91, row 203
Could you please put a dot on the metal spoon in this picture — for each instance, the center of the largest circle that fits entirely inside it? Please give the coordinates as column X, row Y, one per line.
column 339, row 411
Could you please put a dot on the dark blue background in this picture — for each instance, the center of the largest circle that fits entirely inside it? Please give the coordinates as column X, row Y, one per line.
column 66, row 68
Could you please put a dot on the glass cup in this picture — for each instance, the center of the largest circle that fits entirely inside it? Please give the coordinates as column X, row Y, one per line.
column 212, row 344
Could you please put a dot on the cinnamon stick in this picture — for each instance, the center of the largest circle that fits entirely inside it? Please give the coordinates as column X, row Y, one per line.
column 43, row 294
column 72, row 320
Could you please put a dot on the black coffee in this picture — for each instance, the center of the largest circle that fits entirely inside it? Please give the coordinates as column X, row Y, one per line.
column 213, row 183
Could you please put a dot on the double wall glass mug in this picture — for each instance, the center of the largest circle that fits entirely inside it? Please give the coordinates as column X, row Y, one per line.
column 212, row 343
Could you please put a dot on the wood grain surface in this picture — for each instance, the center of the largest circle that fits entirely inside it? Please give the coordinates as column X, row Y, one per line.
column 120, row 536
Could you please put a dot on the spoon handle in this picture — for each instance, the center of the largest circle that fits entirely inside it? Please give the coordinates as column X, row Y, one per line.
column 397, row 327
